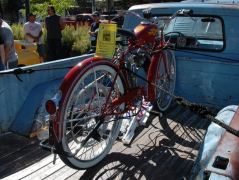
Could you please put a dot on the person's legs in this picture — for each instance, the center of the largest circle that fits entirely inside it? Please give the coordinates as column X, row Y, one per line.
column 51, row 49
column 2, row 66
column 41, row 52
column 92, row 47
column 58, row 49
column 54, row 48
column 13, row 64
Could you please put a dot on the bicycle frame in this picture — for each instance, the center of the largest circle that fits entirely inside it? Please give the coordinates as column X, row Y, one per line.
column 131, row 93
column 121, row 98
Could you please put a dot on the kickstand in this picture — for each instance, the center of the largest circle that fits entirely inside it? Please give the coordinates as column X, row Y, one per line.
column 54, row 158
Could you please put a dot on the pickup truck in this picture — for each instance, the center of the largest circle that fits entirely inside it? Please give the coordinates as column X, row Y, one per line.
column 207, row 60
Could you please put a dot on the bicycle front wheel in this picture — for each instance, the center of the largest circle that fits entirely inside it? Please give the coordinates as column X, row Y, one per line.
column 165, row 79
column 89, row 134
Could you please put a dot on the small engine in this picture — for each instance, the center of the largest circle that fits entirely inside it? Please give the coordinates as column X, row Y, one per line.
column 137, row 57
column 138, row 62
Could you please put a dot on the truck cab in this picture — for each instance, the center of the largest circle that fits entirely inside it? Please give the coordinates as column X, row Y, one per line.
column 207, row 57
column 206, row 48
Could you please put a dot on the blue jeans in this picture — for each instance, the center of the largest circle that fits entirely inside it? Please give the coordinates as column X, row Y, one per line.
column 11, row 65
column 2, row 66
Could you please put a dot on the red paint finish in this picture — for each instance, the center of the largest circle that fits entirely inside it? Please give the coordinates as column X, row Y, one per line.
column 152, row 77
column 146, row 33
column 128, row 97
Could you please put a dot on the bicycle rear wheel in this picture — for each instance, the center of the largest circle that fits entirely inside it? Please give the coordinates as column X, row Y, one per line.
column 88, row 134
column 165, row 79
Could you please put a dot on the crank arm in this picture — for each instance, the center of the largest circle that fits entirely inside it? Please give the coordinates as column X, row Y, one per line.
column 93, row 134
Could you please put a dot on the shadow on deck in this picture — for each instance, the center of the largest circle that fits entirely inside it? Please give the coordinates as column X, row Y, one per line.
column 166, row 149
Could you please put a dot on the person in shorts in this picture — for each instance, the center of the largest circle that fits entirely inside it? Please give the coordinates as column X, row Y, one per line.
column 33, row 34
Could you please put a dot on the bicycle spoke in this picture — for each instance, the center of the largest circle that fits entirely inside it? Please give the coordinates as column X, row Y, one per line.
column 86, row 137
column 166, row 80
column 83, row 119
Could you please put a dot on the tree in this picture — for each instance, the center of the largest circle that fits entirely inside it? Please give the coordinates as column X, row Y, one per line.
column 84, row 5
column 39, row 7
column 9, row 9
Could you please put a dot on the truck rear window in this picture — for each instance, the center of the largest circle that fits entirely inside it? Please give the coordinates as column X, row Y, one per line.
column 204, row 33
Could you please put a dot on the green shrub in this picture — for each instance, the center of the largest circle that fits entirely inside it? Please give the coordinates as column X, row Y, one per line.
column 68, row 39
column 74, row 41
column 17, row 31
column 82, row 43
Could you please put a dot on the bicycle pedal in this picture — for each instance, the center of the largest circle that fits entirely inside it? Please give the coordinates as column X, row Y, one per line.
column 144, row 119
column 145, row 116
column 127, row 138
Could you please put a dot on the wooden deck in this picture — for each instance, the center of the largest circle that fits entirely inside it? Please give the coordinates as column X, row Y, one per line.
column 166, row 149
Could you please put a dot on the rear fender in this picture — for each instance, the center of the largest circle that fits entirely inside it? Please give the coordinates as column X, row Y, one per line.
column 68, row 82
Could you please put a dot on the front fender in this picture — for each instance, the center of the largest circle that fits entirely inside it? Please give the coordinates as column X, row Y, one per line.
column 152, row 76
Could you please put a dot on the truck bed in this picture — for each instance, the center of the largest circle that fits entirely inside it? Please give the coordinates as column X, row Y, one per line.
column 166, row 149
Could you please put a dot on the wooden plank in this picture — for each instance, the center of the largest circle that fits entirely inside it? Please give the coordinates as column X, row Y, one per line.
column 118, row 147
column 45, row 171
column 33, row 168
column 167, row 149
column 185, row 167
column 11, row 143
column 172, row 148
column 23, row 153
column 127, row 152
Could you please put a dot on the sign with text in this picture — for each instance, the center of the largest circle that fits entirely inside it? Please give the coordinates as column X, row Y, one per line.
column 106, row 40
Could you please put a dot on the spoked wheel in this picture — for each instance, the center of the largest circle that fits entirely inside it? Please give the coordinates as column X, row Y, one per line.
column 165, row 79
column 89, row 133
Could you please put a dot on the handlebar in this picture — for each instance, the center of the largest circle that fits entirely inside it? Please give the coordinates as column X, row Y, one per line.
column 184, row 12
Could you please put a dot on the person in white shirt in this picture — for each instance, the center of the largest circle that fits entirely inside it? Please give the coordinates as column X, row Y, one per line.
column 33, row 34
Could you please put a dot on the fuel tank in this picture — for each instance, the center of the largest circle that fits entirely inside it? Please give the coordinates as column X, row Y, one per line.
column 146, row 33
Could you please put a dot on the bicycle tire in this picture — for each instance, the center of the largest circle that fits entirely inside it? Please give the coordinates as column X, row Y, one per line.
column 82, row 103
column 165, row 79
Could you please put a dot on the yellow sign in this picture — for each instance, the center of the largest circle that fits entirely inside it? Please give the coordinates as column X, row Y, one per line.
column 106, row 40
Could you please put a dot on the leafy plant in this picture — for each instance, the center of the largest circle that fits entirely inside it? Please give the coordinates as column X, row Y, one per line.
column 68, row 39
column 75, row 41
column 18, row 31
column 39, row 7
column 82, row 43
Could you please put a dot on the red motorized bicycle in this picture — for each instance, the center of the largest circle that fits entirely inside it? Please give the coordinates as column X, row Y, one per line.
column 96, row 94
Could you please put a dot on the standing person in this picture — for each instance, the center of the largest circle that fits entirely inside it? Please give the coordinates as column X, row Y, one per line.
column 2, row 53
column 94, row 30
column 54, row 25
column 33, row 34
column 119, row 19
column 11, row 58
